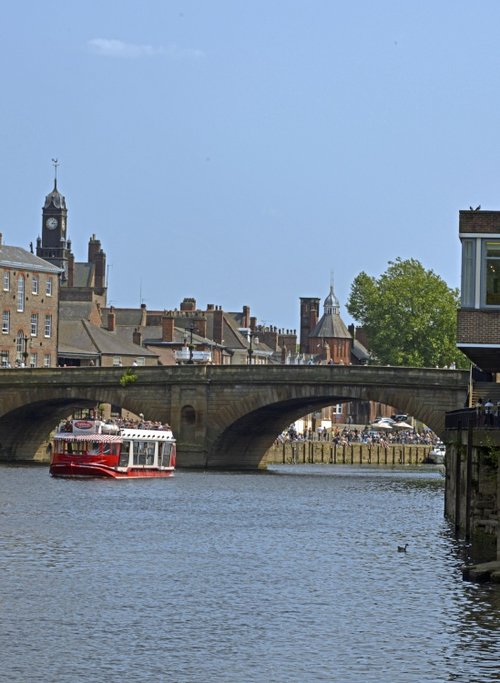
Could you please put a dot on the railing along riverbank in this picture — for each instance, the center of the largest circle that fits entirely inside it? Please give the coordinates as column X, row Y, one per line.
column 324, row 452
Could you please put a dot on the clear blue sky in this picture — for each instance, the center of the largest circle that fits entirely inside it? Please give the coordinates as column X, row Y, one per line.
column 239, row 151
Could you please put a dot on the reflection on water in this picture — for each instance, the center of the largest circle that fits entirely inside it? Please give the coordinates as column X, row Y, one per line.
column 290, row 576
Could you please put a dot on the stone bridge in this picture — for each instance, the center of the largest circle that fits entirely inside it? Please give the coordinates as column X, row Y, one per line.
column 222, row 416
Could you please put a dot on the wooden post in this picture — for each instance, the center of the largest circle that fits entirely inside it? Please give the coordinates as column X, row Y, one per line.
column 468, row 487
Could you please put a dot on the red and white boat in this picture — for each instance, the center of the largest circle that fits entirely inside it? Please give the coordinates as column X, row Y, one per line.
column 93, row 448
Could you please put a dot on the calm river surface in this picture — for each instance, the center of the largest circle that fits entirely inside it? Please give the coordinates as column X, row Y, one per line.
column 290, row 576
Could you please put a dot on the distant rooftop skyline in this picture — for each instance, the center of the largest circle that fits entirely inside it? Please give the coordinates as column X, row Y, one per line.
column 240, row 152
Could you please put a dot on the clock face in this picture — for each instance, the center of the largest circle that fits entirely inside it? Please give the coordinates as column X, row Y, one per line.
column 51, row 223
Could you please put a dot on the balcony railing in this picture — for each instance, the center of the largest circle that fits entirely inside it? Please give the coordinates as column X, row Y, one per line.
column 472, row 417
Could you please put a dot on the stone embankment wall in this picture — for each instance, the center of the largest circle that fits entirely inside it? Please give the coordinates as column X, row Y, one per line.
column 472, row 500
column 303, row 452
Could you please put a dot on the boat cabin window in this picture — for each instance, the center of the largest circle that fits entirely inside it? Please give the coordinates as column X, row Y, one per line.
column 166, row 450
column 87, row 448
column 124, row 454
column 71, row 447
column 144, row 452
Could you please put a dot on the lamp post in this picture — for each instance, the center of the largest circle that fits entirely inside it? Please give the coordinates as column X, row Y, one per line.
column 250, row 348
column 25, row 352
column 191, row 330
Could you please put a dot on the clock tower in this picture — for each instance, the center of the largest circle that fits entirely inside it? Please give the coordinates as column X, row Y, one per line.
column 54, row 246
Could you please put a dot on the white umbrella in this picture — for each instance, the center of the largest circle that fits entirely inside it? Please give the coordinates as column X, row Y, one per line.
column 402, row 425
column 381, row 425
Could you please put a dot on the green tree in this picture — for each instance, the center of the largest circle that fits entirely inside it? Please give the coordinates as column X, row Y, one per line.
column 409, row 315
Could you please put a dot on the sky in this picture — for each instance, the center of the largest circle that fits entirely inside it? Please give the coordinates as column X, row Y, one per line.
column 249, row 152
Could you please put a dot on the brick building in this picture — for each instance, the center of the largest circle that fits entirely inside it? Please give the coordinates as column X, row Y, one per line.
column 29, row 301
column 191, row 334
column 478, row 333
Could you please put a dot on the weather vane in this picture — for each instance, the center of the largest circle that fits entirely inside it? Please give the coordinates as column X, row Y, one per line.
column 56, row 164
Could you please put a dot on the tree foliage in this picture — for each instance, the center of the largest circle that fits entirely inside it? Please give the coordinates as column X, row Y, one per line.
column 409, row 315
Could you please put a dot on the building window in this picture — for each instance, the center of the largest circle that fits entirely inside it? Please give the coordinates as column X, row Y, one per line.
column 33, row 360
column 140, row 360
column 492, row 269
column 117, row 361
column 337, row 409
column 48, row 326
column 6, row 322
column 46, row 360
column 4, row 359
column 6, row 280
column 468, row 273
column 35, row 283
column 20, row 294
column 48, row 287
column 34, row 324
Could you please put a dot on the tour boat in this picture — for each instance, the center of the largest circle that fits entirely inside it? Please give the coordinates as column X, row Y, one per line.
column 93, row 448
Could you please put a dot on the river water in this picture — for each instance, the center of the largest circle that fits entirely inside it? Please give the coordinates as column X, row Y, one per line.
column 288, row 576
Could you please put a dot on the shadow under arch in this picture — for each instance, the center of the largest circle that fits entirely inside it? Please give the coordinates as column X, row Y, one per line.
column 25, row 431
column 243, row 445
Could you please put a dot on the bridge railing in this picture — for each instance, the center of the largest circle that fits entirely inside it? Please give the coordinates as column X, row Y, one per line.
column 472, row 417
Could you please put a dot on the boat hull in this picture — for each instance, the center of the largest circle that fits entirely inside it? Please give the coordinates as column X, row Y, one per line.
column 89, row 471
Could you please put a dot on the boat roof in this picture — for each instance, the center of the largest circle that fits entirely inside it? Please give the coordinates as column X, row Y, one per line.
column 106, row 438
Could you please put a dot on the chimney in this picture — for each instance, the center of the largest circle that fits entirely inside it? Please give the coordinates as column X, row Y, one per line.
column 94, row 248
column 111, row 320
column 252, row 324
column 167, row 328
column 218, row 328
column 143, row 315
column 137, row 337
column 100, row 271
column 246, row 317
column 200, row 326
column 188, row 304
column 210, row 307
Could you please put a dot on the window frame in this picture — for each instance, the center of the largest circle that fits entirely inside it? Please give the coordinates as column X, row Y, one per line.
column 6, row 322
column 485, row 269
column 21, row 291
column 47, row 330
column 34, row 325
